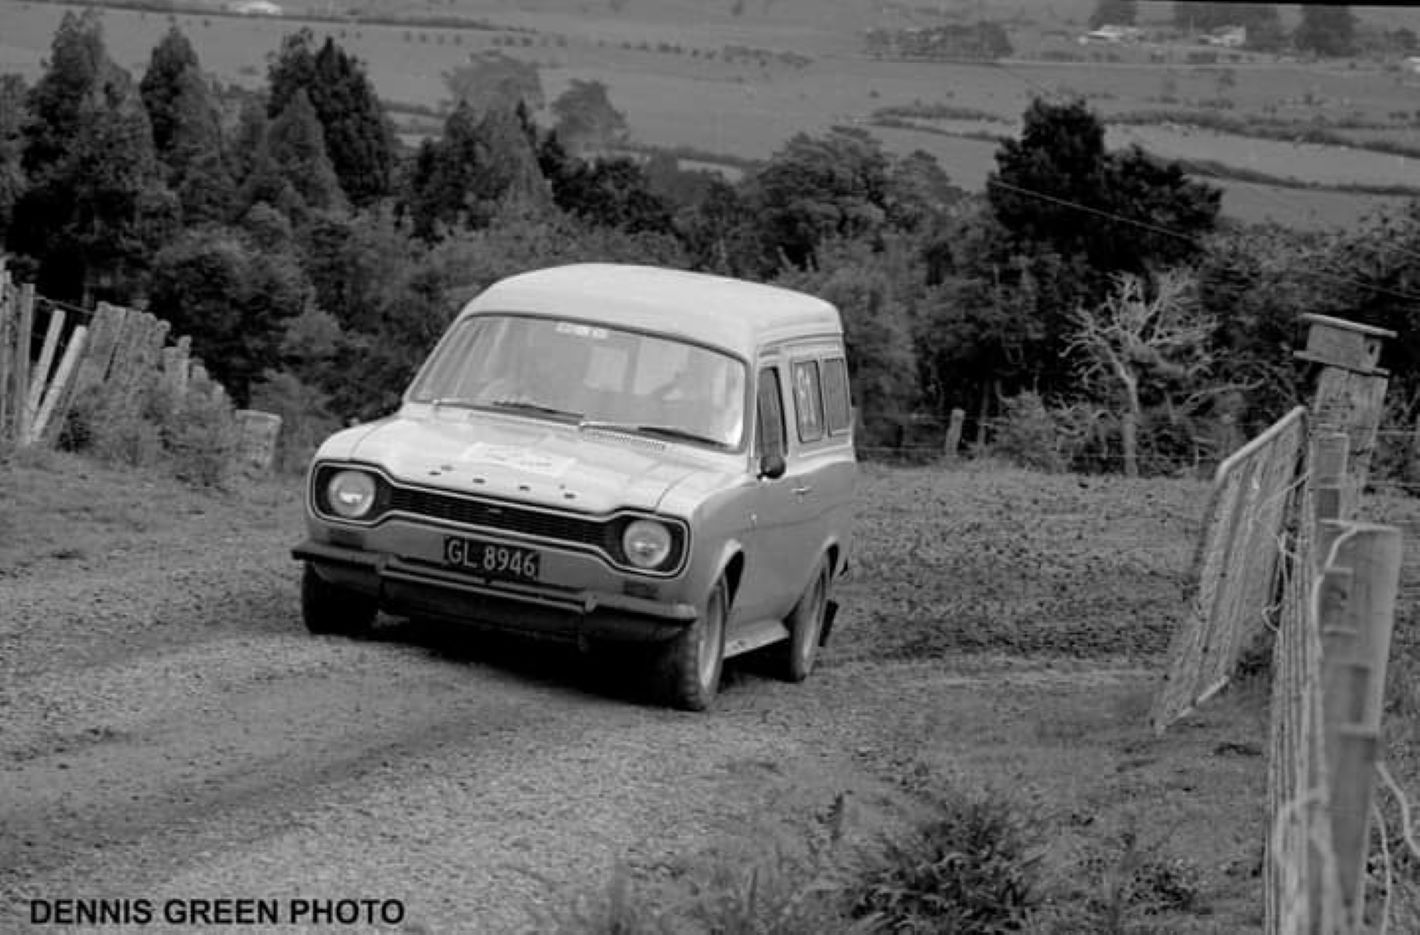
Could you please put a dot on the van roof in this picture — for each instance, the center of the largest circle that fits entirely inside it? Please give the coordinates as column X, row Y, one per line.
column 732, row 314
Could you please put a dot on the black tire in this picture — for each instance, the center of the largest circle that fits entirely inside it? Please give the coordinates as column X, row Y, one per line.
column 330, row 609
column 689, row 668
column 805, row 622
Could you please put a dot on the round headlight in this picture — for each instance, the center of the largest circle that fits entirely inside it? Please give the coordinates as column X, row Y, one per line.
column 646, row 543
column 351, row 494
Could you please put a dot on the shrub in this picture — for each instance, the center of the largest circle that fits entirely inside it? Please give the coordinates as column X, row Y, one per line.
column 615, row 911
column 971, row 871
column 1027, row 435
column 201, row 437
column 305, row 419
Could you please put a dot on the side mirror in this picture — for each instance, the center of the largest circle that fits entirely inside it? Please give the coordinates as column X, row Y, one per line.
column 772, row 465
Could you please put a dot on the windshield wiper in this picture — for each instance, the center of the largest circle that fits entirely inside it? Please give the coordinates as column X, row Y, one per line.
column 662, row 431
column 456, row 401
column 528, row 406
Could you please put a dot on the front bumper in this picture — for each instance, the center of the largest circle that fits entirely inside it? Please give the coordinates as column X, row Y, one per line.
column 411, row 588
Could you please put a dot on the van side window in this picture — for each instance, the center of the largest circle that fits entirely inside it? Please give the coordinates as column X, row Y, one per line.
column 771, row 437
column 808, row 401
column 835, row 395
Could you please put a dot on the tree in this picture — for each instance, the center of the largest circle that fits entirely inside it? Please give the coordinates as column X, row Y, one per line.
column 358, row 137
column 611, row 193
column 495, row 79
column 248, row 137
column 122, row 210
column 585, row 119
column 465, row 176
column 996, row 318
column 918, row 191
column 95, row 206
column 76, row 63
column 874, row 296
column 721, row 233
column 358, row 134
column 12, row 174
column 1329, row 31
column 1058, row 186
column 1133, row 337
column 292, row 171
column 168, row 76
column 1114, row 12
column 196, row 158
column 233, row 299
column 819, row 187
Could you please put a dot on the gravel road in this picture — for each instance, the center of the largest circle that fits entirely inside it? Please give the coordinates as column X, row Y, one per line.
column 168, row 731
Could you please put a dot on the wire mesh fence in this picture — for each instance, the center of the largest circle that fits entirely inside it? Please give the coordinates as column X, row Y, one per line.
column 1234, row 567
column 1300, row 882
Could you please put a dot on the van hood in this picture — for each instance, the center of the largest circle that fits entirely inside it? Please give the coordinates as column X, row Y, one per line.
column 524, row 459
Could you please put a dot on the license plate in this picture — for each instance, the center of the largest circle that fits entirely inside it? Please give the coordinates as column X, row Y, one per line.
column 491, row 559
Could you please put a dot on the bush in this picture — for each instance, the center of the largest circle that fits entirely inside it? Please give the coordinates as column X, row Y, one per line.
column 1027, row 435
column 201, row 437
column 305, row 419
column 972, row 871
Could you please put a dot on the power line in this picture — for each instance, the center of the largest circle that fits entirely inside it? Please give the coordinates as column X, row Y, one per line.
column 1190, row 164
column 1189, row 239
column 1159, row 229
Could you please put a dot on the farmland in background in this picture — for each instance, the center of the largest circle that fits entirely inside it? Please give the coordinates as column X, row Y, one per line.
column 666, row 66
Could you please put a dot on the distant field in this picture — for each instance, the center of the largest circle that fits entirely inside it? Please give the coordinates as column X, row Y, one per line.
column 656, row 59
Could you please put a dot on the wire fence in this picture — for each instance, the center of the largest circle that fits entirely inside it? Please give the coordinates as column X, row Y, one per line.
column 1234, row 568
column 1300, row 882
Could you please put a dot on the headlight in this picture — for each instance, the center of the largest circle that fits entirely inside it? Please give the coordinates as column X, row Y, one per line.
column 351, row 494
column 646, row 543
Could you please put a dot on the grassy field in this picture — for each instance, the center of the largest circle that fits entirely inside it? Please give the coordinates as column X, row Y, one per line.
column 666, row 68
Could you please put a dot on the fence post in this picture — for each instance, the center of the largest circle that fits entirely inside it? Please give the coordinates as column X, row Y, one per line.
column 40, row 377
column 953, row 443
column 19, row 399
column 55, row 406
column 1356, row 621
column 1350, row 390
column 7, row 328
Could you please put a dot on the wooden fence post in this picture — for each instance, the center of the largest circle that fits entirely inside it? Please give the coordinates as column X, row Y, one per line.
column 40, row 377
column 1350, row 391
column 7, row 355
column 19, row 399
column 1356, row 625
column 1327, row 460
column 55, row 406
column 952, row 447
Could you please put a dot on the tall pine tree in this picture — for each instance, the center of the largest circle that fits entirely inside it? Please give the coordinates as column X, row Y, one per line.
column 358, row 136
column 172, row 58
column 96, row 205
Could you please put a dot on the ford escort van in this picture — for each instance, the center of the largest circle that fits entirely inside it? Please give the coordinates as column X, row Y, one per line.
column 607, row 454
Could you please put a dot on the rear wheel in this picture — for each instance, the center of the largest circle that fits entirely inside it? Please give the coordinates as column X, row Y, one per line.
column 690, row 665
column 806, row 628
column 328, row 608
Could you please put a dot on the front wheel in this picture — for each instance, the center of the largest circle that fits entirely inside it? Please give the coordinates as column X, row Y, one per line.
column 806, row 628
column 328, row 608
column 690, row 664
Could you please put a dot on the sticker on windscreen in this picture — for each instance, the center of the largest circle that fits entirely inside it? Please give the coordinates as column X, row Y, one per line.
column 581, row 331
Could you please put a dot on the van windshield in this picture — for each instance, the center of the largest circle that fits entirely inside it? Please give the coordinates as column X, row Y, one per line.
column 590, row 374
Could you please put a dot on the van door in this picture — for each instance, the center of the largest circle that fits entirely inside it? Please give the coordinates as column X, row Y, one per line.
column 772, row 508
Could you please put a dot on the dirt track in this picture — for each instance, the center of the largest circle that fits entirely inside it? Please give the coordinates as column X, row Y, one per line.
column 169, row 731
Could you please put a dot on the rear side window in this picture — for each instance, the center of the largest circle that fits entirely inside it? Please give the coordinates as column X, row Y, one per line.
column 771, row 436
column 836, row 400
column 808, row 401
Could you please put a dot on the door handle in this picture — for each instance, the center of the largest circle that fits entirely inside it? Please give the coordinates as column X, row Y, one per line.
column 807, row 488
